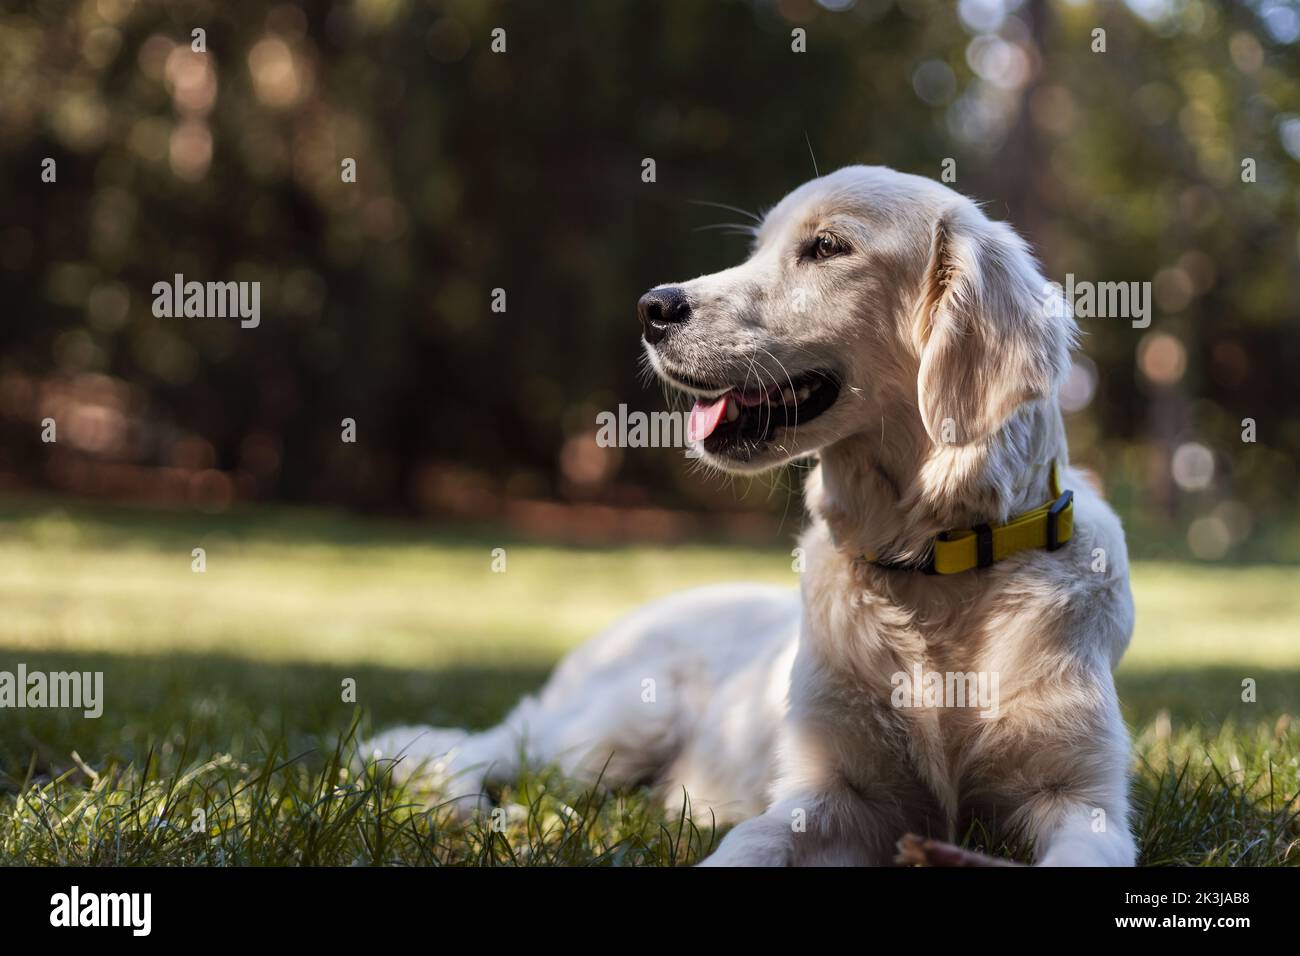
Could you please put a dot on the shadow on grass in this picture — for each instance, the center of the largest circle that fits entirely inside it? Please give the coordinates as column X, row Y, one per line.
column 223, row 704
column 1208, row 696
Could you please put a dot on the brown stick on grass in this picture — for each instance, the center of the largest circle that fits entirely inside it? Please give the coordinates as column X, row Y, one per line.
column 914, row 850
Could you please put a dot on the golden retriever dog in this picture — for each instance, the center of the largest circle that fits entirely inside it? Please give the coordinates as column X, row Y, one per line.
column 964, row 593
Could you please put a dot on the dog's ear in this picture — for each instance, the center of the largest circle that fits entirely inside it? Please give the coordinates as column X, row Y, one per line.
column 989, row 335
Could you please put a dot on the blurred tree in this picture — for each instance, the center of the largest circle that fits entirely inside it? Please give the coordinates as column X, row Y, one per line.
column 521, row 171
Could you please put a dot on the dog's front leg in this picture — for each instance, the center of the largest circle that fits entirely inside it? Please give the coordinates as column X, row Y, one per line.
column 832, row 828
column 764, row 840
column 1077, row 834
column 1079, row 814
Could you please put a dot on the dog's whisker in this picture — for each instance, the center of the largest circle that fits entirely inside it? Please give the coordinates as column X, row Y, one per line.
column 730, row 228
column 795, row 431
column 722, row 205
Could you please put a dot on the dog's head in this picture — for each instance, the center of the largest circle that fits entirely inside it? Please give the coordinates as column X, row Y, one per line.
column 870, row 297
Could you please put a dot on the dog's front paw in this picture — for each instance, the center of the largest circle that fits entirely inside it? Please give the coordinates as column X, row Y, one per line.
column 1077, row 846
column 750, row 858
column 748, row 853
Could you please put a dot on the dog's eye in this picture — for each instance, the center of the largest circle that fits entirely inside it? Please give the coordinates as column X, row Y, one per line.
column 825, row 245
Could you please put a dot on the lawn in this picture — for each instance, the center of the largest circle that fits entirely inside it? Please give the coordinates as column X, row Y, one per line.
column 225, row 733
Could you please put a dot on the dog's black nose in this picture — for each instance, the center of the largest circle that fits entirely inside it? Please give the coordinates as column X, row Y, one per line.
column 660, row 309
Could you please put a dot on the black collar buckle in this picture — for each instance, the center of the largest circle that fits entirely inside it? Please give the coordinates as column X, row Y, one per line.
column 1054, row 519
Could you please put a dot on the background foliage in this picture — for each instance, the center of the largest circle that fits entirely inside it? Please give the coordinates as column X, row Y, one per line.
column 521, row 171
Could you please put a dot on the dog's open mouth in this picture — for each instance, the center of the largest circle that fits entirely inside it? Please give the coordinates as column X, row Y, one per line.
column 746, row 416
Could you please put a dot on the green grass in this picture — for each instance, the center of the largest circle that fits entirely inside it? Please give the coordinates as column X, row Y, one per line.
column 224, row 691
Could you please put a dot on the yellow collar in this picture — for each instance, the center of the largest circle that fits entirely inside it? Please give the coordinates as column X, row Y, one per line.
column 1048, row 526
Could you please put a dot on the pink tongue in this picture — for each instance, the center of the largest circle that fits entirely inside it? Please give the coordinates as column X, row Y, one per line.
column 705, row 417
